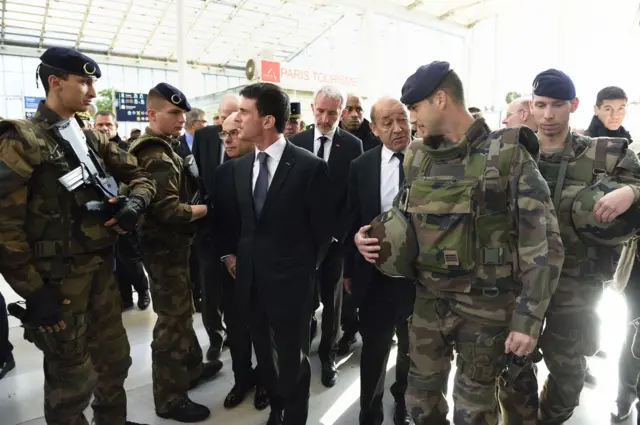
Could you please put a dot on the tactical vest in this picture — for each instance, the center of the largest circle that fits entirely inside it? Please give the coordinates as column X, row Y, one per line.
column 58, row 226
column 186, row 189
column 572, row 174
column 460, row 210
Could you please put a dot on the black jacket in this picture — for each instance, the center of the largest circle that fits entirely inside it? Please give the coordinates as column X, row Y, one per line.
column 364, row 133
column 363, row 206
column 345, row 148
column 278, row 252
column 183, row 147
column 597, row 129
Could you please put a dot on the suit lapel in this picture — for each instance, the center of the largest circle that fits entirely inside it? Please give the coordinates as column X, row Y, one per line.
column 244, row 180
column 285, row 164
column 376, row 172
column 334, row 155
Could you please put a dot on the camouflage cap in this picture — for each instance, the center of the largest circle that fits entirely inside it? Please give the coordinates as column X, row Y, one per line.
column 398, row 244
column 612, row 234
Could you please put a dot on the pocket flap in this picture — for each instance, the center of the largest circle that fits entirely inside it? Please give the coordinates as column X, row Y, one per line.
column 441, row 196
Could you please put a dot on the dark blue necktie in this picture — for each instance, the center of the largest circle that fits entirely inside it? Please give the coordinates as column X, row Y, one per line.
column 262, row 184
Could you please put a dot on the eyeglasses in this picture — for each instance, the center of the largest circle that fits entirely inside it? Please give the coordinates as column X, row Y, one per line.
column 225, row 134
column 202, row 121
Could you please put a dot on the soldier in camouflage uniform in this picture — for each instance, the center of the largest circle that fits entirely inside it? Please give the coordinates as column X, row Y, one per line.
column 489, row 250
column 166, row 235
column 594, row 183
column 58, row 255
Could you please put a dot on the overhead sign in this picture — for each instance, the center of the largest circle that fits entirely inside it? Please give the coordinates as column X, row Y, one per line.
column 31, row 102
column 131, row 107
column 303, row 79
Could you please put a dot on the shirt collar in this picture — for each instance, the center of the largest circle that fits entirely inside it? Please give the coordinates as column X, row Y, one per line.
column 387, row 155
column 188, row 137
column 329, row 135
column 274, row 151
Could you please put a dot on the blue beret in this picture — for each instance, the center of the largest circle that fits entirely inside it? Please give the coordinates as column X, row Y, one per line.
column 173, row 95
column 423, row 82
column 554, row 84
column 70, row 61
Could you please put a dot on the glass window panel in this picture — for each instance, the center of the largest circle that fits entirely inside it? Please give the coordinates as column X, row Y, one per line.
column 61, row 22
column 62, row 43
column 15, row 107
column 12, row 63
column 66, row 6
column 1, row 81
column 3, row 106
column 22, row 39
column 22, row 17
column 29, row 81
column 93, row 46
column 61, row 35
column 22, row 31
column 21, row 24
column 16, row 7
column 116, row 76
column 30, row 64
column 66, row 14
column 13, row 83
column 158, row 76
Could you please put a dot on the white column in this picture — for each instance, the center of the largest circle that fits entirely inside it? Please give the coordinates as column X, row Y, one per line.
column 369, row 69
column 181, row 47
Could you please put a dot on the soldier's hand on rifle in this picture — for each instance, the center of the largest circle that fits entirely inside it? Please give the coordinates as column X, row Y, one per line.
column 230, row 262
column 613, row 204
column 127, row 217
column 44, row 309
column 368, row 247
column 519, row 344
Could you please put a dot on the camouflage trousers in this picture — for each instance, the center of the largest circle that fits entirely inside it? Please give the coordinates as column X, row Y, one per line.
column 92, row 354
column 175, row 351
column 435, row 331
column 569, row 336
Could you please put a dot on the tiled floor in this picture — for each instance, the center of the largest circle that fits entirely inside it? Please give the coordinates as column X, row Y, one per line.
column 21, row 390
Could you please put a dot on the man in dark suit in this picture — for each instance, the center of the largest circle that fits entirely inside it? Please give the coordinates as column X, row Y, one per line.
column 338, row 148
column 385, row 303
column 281, row 193
column 227, row 230
column 208, row 151
column 195, row 120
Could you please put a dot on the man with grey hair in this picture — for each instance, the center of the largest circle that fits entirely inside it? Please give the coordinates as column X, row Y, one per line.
column 519, row 113
column 208, row 151
column 338, row 147
column 195, row 120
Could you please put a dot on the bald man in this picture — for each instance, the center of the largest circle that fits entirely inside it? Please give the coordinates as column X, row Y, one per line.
column 208, row 151
column 385, row 303
column 519, row 113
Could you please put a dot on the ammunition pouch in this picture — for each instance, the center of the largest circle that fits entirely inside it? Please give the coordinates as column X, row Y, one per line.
column 480, row 360
column 577, row 333
column 68, row 345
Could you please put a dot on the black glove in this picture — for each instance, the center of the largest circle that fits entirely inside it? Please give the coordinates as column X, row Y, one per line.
column 130, row 213
column 44, row 307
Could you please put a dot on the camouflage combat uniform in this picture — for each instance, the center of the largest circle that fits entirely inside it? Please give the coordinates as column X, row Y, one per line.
column 571, row 322
column 490, row 256
column 48, row 238
column 166, row 236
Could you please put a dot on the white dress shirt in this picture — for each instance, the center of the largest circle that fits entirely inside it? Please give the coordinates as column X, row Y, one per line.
column 389, row 178
column 222, row 152
column 327, row 143
column 274, row 153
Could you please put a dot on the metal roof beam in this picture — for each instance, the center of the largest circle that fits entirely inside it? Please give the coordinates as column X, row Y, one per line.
column 117, row 34
column 84, row 22
column 152, row 34
column 318, row 37
column 400, row 13
column 44, row 22
column 460, row 8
